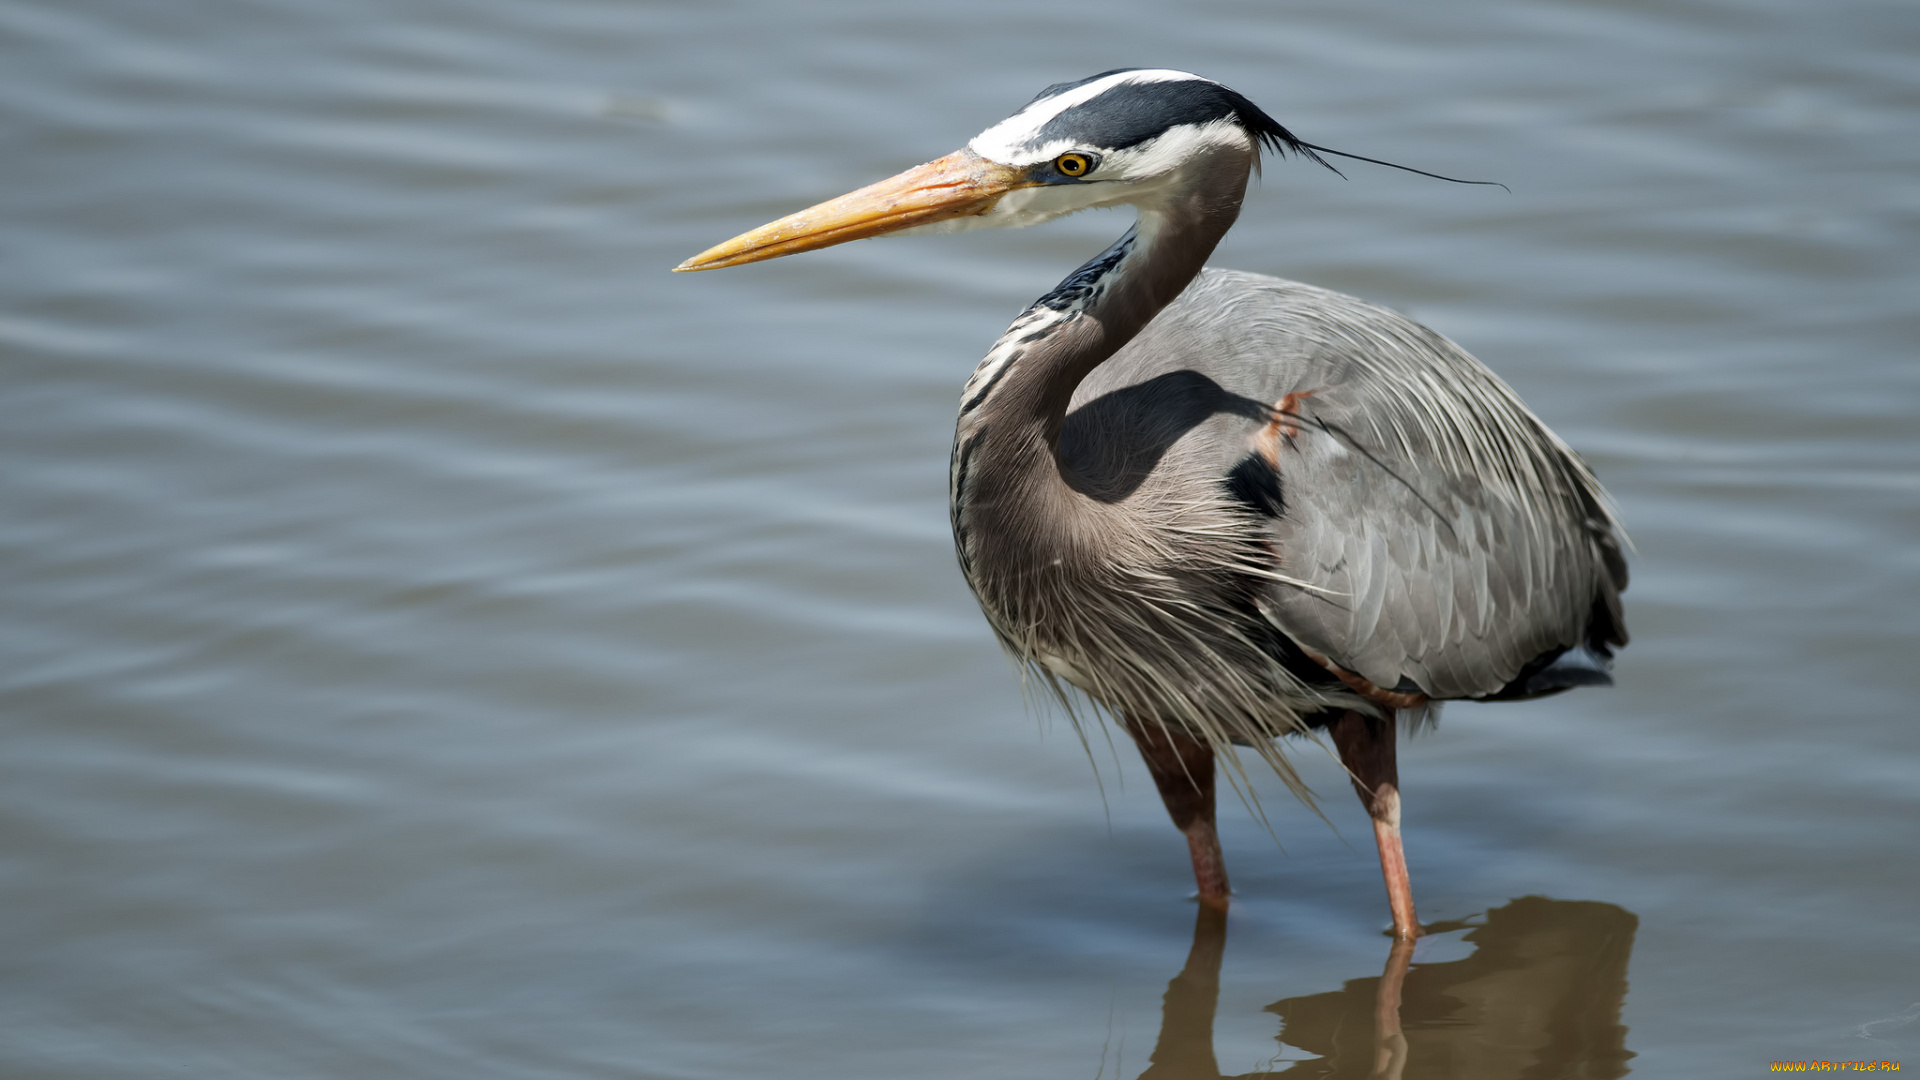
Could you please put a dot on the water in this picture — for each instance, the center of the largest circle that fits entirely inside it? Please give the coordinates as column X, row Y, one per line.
column 439, row 642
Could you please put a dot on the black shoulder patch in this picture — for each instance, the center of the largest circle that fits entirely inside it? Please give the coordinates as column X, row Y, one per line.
column 1256, row 483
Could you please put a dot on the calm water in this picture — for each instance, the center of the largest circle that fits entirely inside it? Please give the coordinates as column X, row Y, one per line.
column 437, row 642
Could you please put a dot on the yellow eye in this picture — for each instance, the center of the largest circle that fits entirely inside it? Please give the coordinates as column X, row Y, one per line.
column 1073, row 164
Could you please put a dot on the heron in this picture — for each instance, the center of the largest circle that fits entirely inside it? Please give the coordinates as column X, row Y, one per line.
column 1228, row 507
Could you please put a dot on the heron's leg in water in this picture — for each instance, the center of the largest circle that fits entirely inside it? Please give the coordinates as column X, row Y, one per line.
column 1182, row 768
column 1366, row 745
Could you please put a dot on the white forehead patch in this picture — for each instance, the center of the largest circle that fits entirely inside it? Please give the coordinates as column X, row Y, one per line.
column 1006, row 142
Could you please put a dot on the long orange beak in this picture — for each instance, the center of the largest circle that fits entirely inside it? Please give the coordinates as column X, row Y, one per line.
column 961, row 184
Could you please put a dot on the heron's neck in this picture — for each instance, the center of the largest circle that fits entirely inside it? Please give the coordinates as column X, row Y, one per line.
column 1028, row 378
column 1011, row 504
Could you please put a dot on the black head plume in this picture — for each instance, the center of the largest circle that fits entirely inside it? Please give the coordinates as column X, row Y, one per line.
column 1128, row 113
column 1272, row 135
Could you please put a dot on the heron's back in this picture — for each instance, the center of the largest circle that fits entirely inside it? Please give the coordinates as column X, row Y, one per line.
column 1426, row 531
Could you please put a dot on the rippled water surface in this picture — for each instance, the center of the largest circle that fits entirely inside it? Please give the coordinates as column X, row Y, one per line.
column 437, row 642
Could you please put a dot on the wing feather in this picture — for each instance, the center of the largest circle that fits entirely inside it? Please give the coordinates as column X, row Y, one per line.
column 1449, row 538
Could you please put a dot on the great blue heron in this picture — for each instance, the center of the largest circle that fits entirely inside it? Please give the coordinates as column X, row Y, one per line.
column 1225, row 506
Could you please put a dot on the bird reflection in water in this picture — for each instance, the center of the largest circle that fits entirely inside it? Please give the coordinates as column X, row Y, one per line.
column 1539, row 997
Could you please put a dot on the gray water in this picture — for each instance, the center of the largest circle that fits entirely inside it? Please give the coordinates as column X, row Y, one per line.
column 438, row 642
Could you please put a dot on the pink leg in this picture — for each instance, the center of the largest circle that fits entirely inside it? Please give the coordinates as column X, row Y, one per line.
column 1366, row 746
column 1182, row 768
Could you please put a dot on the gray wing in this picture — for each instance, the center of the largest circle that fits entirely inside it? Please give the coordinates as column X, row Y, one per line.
column 1437, row 534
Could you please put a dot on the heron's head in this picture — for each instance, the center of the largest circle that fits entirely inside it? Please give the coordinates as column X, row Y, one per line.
column 1131, row 136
